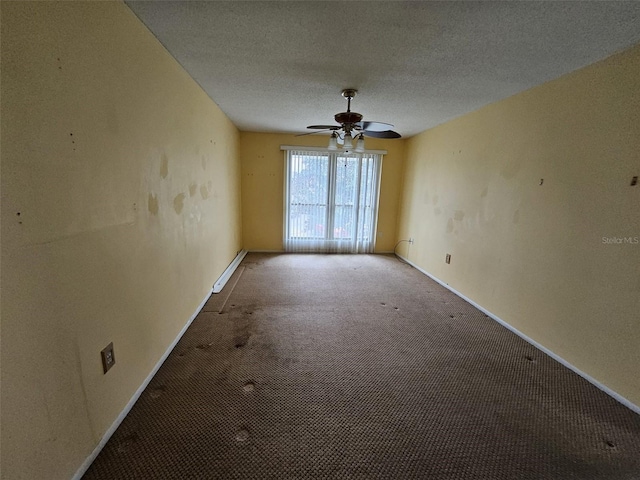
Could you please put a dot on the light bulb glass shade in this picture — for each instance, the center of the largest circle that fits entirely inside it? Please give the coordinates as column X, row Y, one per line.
column 360, row 144
column 333, row 142
column 348, row 140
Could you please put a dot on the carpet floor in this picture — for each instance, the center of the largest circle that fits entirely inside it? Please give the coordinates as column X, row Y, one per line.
column 361, row 367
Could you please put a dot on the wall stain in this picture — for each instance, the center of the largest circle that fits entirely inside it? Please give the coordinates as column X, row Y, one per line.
column 484, row 192
column 516, row 216
column 178, row 203
column 153, row 204
column 193, row 188
column 204, row 192
column 437, row 211
column 450, row 225
column 164, row 166
column 458, row 215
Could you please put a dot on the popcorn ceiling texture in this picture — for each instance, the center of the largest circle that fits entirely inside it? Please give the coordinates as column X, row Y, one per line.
column 280, row 66
column 315, row 366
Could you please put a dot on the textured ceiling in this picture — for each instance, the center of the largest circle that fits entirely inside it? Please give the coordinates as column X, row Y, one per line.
column 279, row 66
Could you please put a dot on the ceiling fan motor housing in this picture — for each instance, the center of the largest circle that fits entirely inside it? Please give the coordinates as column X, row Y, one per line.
column 348, row 117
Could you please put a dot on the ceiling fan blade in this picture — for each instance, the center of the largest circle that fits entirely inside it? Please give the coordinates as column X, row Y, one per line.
column 374, row 126
column 385, row 134
column 325, row 127
column 311, row 133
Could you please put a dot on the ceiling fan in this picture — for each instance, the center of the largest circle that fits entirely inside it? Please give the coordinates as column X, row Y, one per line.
column 351, row 124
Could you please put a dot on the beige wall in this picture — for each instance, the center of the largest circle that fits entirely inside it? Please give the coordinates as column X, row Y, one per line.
column 263, row 183
column 120, row 209
column 534, row 254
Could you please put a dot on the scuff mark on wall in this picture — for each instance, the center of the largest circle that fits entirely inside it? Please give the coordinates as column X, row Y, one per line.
column 85, row 398
column 178, row 203
column 458, row 215
column 204, row 192
column 193, row 188
column 153, row 204
column 164, row 166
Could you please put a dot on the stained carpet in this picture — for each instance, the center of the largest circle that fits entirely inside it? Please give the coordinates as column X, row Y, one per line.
column 361, row 367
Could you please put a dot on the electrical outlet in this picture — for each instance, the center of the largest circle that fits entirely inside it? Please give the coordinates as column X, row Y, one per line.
column 447, row 259
column 108, row 358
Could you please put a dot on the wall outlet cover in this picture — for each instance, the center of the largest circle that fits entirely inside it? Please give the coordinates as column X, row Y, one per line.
column 108, row 357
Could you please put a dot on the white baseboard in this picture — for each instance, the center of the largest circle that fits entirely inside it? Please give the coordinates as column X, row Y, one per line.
column 588, row 378
column 114, row 426
column 226, row 275
column 384, row 252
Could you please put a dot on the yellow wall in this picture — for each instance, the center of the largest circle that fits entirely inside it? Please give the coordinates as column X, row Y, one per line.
column 120, row 209
column 534, row 254
column 263, row 183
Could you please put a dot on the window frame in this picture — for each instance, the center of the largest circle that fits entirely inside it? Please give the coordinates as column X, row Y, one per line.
column 329, row 241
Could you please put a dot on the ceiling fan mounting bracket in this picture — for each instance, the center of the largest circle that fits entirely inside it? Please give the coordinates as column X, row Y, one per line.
column 349, row 93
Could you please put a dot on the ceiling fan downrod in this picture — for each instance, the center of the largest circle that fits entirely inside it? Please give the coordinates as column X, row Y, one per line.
column 348, row 118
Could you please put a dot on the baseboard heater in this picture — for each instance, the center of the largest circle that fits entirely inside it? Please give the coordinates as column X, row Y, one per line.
column 226, row 275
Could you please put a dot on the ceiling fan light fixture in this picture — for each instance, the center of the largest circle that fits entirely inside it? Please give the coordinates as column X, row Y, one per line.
column 348, row 141
column 360, row 144
column 333, row 142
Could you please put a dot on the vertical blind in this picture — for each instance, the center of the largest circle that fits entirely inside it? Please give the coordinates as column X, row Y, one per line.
column 331, row 202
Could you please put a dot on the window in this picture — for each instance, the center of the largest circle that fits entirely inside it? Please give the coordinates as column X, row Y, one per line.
column 331, row 201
